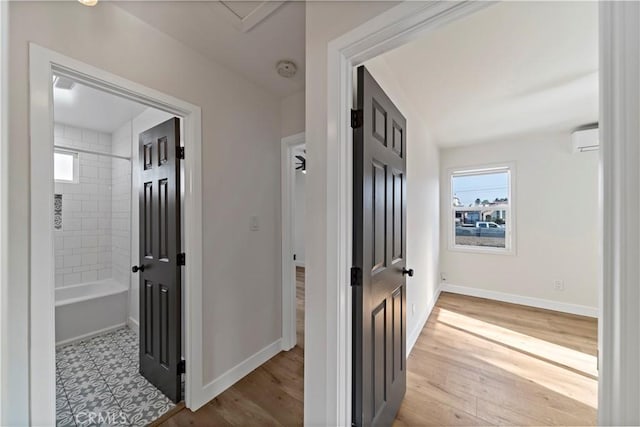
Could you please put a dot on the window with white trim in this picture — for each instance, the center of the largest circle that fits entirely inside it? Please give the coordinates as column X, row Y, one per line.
column 481, row 209
column 65, row 166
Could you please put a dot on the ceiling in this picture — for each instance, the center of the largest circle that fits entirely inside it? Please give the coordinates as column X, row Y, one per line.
column 248, row 37
column 89, row 108
column 510, row 69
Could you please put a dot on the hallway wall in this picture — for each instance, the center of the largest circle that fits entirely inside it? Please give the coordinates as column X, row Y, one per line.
column 292, row 114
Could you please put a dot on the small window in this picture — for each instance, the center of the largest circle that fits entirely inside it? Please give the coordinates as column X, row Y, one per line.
column 481, row 209
column 65, row 166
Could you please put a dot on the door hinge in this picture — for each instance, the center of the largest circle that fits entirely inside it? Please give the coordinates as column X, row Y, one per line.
column 356, row 276
column 182, row 258
column 182, row 367
column 180, row 152
column 356, row 118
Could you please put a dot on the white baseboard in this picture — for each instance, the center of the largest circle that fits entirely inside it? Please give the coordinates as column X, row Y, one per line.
column 415, row 333
column 581, row 310
column 235, row 374
column 134, row 325
column 91, row 334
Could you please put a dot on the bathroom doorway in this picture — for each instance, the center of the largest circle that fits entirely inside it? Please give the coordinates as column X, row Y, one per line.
column 44, row 66
column 104, row 147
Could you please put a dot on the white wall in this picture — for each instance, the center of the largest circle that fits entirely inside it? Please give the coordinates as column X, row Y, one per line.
column 292, row 114
column 83, row 245
column 556, row 202
column 237, row 160
column 298, row 217
column 325, row 21
column 423, row 195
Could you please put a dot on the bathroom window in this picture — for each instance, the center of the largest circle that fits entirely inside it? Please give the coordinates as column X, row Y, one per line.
column 65, row 166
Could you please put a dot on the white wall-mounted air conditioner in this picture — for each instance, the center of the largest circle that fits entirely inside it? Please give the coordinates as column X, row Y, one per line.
column 585, row 140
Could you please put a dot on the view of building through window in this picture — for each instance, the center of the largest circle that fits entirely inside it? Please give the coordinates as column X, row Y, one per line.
column 481, row 207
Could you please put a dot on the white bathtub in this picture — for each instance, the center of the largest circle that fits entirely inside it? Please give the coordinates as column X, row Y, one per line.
column 89, row 309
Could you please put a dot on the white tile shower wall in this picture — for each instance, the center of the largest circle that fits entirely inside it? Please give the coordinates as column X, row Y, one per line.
column 121, row 205
column 83, row 245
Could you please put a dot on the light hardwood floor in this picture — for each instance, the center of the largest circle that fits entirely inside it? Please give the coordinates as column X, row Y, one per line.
column 477, row 362
column 272, row 395
column 482, row 362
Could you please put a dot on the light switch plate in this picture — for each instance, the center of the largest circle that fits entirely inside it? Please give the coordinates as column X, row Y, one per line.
column 255, row 226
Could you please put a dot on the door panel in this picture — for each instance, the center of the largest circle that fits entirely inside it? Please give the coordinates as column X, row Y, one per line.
column 160, row 295
column 379, row 250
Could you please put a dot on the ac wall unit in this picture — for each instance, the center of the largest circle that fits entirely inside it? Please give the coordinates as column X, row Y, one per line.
column 585, row 140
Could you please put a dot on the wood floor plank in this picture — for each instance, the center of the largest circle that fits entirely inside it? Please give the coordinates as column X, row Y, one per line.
column 476, row 362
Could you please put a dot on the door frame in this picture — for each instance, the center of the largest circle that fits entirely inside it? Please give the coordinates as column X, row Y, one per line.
column 42, row 64
column 619, row 35
column 287, row 191
column 4, row 203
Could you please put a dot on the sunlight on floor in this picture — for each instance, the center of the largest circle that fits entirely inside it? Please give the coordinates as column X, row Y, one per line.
column 560, row 369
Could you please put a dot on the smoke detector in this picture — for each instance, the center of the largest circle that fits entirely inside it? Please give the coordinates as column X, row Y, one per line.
column 286, row 68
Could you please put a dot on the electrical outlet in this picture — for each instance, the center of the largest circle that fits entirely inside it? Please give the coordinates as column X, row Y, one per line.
column 558, row 285
column 413, row 309
column 443, row 277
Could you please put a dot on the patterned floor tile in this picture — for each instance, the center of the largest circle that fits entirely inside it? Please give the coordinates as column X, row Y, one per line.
column 98, row 383
column 64, row 416
column 65, row 419
column 144, row 404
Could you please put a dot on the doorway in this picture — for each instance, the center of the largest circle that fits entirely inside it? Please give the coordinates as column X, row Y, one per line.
column 115, row 350
column 153, row 108
column 479, row 196
column 399, row 25
column 293, row 193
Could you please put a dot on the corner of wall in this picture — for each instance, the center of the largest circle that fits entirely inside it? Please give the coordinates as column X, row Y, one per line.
column 424, row 317
column 236, row 373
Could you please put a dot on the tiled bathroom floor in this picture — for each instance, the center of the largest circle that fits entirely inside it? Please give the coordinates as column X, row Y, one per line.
column 97, row 383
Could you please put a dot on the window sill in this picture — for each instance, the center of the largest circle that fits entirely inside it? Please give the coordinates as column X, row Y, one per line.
column 482, row 250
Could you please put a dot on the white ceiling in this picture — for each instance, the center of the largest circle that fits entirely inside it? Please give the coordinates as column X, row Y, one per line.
column 249, row 37
column 89, row 108
column 513, row 68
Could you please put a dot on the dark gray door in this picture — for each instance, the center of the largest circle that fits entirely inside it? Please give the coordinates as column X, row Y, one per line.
column 379, row 250
column 160, row 287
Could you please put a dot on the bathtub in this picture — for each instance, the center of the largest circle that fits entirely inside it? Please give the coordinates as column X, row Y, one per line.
column 90, row 309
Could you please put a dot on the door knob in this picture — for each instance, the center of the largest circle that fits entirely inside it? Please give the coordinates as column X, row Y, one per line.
column 135, row 269
column 408, row 272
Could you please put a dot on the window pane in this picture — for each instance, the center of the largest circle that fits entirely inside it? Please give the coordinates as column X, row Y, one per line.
column 63, row 166
column 485, row 195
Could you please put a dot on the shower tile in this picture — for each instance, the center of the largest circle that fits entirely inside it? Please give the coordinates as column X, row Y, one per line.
column 89, row 136
column 89, row 276
column 72, row 278
column 72, row 133
column 58, row 129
